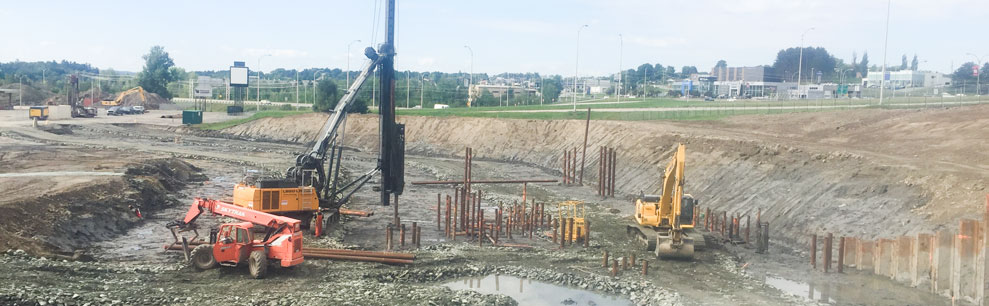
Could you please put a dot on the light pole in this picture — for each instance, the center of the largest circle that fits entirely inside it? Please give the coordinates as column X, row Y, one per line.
column 575, row 67
column 800, row 62
column 314, row 74
column 408, row 87
column 259, row 76
column 20, row 90
column 348, row 62
column 471, row 82
column 882, row 79
column 621, row 45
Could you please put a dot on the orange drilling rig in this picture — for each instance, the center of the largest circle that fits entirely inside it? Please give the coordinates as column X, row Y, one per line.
column 233, row 244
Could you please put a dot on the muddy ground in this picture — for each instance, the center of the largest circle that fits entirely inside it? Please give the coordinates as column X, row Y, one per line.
column 735, row 164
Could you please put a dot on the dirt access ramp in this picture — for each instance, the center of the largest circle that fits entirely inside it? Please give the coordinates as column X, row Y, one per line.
column 856, row 172
column 68, row 219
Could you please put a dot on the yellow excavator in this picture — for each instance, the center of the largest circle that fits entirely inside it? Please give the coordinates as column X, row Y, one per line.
column 665, row 223
column 120, row 97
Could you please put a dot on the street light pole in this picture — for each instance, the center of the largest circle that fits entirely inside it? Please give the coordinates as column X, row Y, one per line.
column 882, row 79
column 408, row 87
column 348, row 62
column 471, row 82
column 621, row 45
column 575, row 67
column 259, row 76
column 800, row 62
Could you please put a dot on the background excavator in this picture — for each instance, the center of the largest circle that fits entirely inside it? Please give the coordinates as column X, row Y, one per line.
column 123, row 94
column 665, row 223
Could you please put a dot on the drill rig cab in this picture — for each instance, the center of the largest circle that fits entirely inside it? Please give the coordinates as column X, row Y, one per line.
column 665, row 223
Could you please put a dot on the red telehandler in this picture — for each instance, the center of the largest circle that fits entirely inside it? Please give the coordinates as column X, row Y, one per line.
column 235, row 243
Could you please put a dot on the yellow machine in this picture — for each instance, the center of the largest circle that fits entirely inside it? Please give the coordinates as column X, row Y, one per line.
column 38, row 112
column 575, row 210
column 278, row 197
column 120, row 97
column 665, row 222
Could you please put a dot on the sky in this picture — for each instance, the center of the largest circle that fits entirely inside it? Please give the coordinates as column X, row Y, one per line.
column 505, row 36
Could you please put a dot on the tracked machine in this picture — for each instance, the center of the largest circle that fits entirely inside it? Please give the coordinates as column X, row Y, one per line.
column 234, row 244
column 310, row 189
column 665, row 223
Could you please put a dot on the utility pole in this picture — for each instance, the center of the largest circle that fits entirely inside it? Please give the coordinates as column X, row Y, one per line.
column 296, row 86
column 20, row 90
column 882, row 79
column 408, row 87
column 800, row 62
column 618, row 89
column 575, row 66
column 422, row 88
column 471, row 82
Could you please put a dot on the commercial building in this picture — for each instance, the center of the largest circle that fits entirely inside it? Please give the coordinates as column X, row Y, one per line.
column 907, row 78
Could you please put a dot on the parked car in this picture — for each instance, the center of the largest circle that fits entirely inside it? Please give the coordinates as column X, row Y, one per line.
column 126, row 110
column 708, row 99
column 139, row 109
column 113, row 111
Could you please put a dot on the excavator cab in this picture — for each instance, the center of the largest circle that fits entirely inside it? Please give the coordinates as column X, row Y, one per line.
column 233, row 243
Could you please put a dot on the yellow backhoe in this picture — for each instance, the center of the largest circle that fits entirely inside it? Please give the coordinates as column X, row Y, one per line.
column 120, row 97
column 665, row 223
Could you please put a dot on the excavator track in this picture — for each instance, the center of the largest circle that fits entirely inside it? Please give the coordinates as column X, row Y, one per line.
column 643, row 235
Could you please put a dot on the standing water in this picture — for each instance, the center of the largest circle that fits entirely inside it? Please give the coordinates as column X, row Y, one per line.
column 529, row 292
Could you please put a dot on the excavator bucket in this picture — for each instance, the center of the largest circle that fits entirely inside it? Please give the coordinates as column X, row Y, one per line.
column 666, row 249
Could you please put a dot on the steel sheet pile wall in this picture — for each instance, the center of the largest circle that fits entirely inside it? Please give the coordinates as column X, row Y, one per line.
column 946, row 263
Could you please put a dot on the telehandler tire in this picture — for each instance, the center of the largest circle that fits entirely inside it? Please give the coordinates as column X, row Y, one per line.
column 258, row 264
column 202, row 257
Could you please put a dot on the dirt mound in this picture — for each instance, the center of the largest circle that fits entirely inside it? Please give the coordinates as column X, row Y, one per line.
column 71, row 219
column 152, row 100
column 869, row 177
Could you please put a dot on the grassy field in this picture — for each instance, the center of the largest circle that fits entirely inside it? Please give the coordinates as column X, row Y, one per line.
column 648, row 109
column 255, row 116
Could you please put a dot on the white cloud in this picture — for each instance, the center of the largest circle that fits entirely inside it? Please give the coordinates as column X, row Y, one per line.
column 46, row 43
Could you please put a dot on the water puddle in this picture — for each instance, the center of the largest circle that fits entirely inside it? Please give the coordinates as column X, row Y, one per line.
column 800, row 289
column 529, row 292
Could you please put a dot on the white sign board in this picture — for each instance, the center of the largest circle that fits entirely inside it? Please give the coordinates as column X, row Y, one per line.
column 238, row 76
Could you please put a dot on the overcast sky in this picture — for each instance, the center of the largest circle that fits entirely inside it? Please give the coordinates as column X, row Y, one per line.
column 506, row 36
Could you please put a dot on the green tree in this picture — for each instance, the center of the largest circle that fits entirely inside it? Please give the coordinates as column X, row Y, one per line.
column 863, row 66
column 157, row 72
column 903, row 66
column 721, row 64
column 914, row 63
column 552, row 87
column 686, row 71
column 814, row 59
column 326, row 96
column 487, row 99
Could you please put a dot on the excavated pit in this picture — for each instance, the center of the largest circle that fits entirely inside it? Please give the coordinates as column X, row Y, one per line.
column 861, row 185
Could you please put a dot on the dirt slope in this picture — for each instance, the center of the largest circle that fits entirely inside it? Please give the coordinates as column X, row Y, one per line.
column 70, row 218
column 867, row 173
